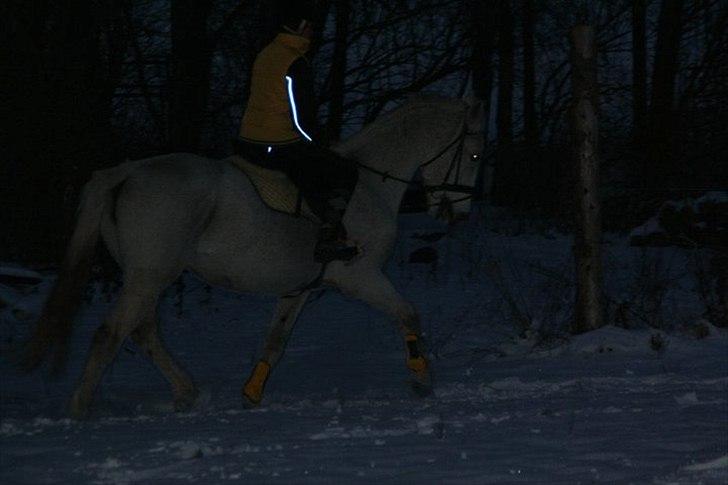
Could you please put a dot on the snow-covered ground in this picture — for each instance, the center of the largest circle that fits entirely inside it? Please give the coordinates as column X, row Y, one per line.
column 612, row 406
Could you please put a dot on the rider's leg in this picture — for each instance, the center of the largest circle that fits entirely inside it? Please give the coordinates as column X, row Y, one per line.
column 318, row 173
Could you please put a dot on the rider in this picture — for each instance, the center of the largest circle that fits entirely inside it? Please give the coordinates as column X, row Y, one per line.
column 279, row 130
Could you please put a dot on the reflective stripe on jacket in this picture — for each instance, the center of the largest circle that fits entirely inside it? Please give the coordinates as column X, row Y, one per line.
column 268, row 117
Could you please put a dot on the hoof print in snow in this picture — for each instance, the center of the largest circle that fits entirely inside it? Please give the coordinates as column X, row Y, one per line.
column 658, row 343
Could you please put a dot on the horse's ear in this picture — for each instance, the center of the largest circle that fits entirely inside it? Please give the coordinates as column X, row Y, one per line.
column 476, row 113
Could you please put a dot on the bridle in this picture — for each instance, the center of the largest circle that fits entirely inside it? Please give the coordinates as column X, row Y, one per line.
column 455, row 166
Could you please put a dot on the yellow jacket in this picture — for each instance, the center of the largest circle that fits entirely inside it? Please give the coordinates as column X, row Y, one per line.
column 268, row 118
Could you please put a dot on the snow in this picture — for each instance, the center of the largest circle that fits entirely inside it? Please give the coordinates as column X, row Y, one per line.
column 715, row 197
column 721, row 462
column 12, row 270
column 652, row 226
column 600, row 407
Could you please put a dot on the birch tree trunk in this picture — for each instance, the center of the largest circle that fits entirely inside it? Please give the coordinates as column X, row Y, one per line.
column 589, row 313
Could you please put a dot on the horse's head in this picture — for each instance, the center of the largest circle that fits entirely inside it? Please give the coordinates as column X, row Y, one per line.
column 449, row 176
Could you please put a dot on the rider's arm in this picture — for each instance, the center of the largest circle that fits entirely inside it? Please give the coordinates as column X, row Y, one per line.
column 302, row 99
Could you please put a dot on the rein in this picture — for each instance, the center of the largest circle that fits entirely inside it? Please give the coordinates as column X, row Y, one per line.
column 455, row 165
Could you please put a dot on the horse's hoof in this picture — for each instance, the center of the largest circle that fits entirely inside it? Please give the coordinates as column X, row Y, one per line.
column 249, row 403
column 253, row 389
column 421, row 382
column 185, row 402
column 77, row 410
column 78, row 414
column 422, row 389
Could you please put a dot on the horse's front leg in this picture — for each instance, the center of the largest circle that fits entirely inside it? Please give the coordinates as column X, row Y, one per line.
column 284, row 318
column 375, row 289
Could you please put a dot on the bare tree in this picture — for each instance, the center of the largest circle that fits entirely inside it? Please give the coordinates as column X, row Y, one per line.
column 639, row 67
column 503, row 174
column 667, row 48
column 64, row 66
column 337, row 73
column 530, row 123
column 398, row 49
column 505, row 74
column 482, row 36
column 190, row 72
column 589, row 312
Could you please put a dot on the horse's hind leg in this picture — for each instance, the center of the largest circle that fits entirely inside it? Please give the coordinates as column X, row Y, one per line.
column 136, row 298
column 375, row 289
column 284, row 318
column 146, row 336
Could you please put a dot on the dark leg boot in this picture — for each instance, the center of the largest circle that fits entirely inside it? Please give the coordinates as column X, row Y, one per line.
column 332, row 245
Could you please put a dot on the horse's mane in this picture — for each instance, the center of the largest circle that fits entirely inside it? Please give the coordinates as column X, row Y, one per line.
column 398, row 117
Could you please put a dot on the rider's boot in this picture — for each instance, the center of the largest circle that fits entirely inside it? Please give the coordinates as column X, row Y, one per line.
column 332, row 244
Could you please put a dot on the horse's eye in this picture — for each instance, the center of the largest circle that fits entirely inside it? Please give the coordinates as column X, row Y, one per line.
column 475, row 157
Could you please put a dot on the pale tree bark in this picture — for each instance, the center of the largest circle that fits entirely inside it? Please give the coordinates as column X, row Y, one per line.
column 589, row 311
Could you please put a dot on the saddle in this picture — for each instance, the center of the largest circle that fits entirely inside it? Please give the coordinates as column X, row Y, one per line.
column 275, row 189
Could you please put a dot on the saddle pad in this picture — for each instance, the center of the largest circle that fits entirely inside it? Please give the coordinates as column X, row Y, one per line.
column 274, row 187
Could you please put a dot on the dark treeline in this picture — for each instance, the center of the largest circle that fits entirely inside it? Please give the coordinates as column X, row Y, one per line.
column 89, row 83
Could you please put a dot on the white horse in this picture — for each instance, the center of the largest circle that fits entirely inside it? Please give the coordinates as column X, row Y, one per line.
column 162, row 215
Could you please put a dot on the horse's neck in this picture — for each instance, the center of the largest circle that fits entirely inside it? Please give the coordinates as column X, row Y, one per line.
column 388, row 189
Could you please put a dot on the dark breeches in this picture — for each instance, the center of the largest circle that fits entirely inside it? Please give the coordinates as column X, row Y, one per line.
column 320, row 174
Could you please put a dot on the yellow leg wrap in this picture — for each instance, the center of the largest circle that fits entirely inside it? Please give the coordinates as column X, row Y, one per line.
column 415, row 361
column 253, row 389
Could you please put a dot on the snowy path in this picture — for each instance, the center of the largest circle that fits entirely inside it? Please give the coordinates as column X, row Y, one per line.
column 338, row 410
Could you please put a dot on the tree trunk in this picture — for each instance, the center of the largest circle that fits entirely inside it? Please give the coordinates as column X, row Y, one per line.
column 482, row 37
column 190, row 73
column 530, row 123
column 503, row 182
column 66, row 64
column 505, row 75
column 337, row 77
column 639, row 69
column 667, row 48
column 262, row 28
column 589, row 309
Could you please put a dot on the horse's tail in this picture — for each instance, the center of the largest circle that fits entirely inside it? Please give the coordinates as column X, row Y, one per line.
column 53, row 330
